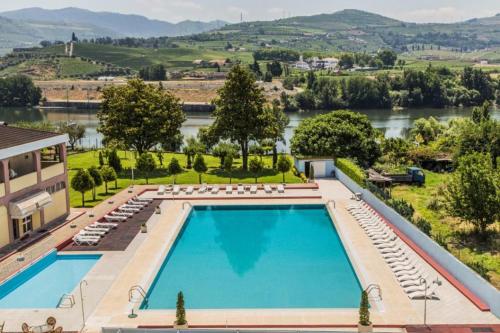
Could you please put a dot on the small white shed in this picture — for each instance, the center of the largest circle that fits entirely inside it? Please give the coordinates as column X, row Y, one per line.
column 321, row 167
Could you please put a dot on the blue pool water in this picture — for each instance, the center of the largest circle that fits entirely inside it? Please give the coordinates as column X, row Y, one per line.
column 286, row 256
column 42, row 284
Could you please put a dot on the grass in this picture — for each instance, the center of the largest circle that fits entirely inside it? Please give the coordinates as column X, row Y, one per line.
column 461, row 241
column 214, row 175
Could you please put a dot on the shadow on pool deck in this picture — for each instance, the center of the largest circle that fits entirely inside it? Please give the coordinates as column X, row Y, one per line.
column 118, row 239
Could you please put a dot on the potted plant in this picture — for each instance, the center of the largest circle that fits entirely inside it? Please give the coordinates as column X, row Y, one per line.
column 144, row 227
column 180, row 313
column 364, row 325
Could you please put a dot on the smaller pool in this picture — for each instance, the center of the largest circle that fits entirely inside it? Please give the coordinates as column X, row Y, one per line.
column 42, row 284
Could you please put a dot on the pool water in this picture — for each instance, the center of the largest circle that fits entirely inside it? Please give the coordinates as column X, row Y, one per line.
column 42, row 284
column 273, row 256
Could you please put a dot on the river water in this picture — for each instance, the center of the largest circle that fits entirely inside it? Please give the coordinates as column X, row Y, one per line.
column 392, row 123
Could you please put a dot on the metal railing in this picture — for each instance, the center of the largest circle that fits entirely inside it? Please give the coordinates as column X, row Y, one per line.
column 66, row 298
column 186, row 203
column 138, row 289
column 374, row 288
column 331, row 201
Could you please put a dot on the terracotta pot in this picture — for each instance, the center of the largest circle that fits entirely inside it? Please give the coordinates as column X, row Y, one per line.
column 181, row 327
column 365, row 329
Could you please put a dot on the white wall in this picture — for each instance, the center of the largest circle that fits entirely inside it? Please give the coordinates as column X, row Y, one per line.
column 470, row 279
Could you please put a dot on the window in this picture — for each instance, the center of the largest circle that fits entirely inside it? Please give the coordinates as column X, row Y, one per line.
column 27, row 224
column 56, row 187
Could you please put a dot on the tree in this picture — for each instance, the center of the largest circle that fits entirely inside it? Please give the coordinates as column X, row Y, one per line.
column 228, row 166
column 82, row 182
column 101, row 159
column 337, row 134
column 19, row 90
column 192, row 147
column 146, row 164
column 114, row 160
column 108, row 175
column 481, row 113
column 346, row 61
column 174, row 168
column 200, row 166
column 268, row 77
column 284, row 165
column 364, row 312
column 223, row 150
column 75, row 132
column 473, row 193
column 388, row 57
column 275, row 68
column 426, row 130
column 239, row 110
column 95, row 173
column 139, row 115
column 180, row 313
column 256, row 167
column 275, row 131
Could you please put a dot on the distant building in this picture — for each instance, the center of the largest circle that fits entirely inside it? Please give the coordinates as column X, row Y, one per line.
column 302, row 65
column 106, row 78
column 324, row 63
column 33, row 181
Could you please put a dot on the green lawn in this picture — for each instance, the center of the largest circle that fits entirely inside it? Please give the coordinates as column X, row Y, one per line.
column 213, row 176
column 460, row 240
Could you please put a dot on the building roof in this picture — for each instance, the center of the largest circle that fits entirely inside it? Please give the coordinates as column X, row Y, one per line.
column 15, row 136
column 15, row 140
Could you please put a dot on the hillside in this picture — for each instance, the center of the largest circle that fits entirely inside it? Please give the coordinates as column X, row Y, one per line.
column 120, row 24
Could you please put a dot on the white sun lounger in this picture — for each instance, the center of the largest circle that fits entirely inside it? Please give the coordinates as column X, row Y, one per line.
column 407, row 261
column 229, row 189
column 135, row 205
column 253, row 189
column 189, row 190
column 136, row 198
column 382, row 229
column 114, row 218
column 161, row 190
column 268, row 189
column 281, row 188
column 127, row 208
column 92, row 233
column 106, row 224
column 203, row 188
column 91, row 228
column 138, row 203
column 414, row 282
column 120, row 213
column 215, row 189
column 85, row 240
column 408, row 267
column 241, row 189
column 430, row 293
column 396, row 254
column 418, row 287
column 412, row 271
column 176, row 189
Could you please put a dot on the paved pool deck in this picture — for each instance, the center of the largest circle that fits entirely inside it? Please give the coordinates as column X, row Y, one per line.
column 106, row 295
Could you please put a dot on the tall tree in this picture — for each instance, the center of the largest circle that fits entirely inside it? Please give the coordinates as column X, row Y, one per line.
column 192, row 147
column 277, row 122
column 284, row 165
column 82, row 182
column 95, row 173
column 108, row 175
column 174, row 168
column 473, row 194
column 239, row 110
column 139, row 115
column 200, row 166
column 256, row 167
column 146, row 164
column 228, row 166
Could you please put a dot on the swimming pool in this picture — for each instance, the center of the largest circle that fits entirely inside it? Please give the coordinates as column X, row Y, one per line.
column 272, row 256
column 42, row 284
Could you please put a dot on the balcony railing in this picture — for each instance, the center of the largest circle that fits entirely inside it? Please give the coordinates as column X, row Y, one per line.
column 52, row 171
column 23, row 182
column 2, row 190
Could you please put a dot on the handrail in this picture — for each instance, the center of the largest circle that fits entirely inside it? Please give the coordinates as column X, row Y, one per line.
column 331, row 201
column 374, row 286
column 137, row 288
column 186, row 202
column 68, row 297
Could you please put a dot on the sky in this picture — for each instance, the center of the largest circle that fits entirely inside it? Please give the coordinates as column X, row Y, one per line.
column 230, row 10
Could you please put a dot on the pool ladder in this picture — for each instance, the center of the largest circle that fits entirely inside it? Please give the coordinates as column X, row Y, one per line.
column 70, row 299
column 374, row 288
column 138, row 289
column 186, row 203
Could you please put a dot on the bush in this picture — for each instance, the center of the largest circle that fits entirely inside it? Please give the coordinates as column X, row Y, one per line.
column 423, row 225
column 434, row 204
column 479, row 268
column 364, row 313
column 404, row 208
column 114, row 161
column 352, row 170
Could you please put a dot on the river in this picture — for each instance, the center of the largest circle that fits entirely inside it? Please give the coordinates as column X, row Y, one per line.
column 392, row 123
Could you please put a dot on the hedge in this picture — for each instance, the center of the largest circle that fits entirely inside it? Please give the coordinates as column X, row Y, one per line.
column 352, row 170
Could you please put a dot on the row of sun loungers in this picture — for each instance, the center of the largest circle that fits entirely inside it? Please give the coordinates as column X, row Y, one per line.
column 92, row 234
column 229, row 189
column 400, row 258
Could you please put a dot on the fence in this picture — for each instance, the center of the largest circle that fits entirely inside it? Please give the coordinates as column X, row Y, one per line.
column 466, row 276
column 23, row 259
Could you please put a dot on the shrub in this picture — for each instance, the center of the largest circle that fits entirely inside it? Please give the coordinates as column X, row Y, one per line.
column 404, row 208
column 479, row 268
column 180, row 313
column 423, row 225
column 352, row 170
column 442, row 240
column 434, row 204
column 364, row 313
column 114, row 161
